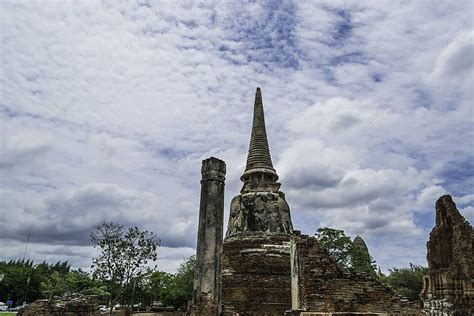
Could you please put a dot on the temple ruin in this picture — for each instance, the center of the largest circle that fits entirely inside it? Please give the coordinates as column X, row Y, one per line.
column 320, row 286
column 267, row 267
column 448, row 288
column 256, row 257
column 208, row 277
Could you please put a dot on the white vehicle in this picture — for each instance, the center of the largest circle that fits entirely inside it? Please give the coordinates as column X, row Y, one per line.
column 103, row 308
column 3, row 306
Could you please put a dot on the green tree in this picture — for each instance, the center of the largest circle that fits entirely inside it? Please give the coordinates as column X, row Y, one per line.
column 24, row 281
column 337, row 243
column 78, row 281
column 54, row 285
column 179, row 290
column 157, row 287
column 407, row 282
column 123, row 255
column 348, row 256
column 361, row 261
column 20, row 282
column 184, row 282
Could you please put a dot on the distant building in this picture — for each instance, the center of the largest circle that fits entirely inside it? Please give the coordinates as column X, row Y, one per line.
column 358, row 241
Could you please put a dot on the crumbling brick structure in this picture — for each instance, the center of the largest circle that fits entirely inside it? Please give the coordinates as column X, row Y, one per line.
column 256, row 278
column 256, row 258
column 448, row 288
column 71, row 305
column 319, row 285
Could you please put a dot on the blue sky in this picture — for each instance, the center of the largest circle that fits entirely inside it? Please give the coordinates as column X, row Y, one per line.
column 107, row 109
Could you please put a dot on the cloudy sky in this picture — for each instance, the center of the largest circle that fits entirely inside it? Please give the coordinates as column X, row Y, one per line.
column 107, row 109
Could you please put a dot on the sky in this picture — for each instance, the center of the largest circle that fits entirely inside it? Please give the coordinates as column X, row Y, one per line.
column 107, row 109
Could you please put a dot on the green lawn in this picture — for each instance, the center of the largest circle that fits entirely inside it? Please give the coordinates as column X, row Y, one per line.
column 7, row 313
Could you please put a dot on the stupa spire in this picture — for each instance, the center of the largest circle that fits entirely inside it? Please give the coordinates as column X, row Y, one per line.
column 359, row 242
column 259, row 159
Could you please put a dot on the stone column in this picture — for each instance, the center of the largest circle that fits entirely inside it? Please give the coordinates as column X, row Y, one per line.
column 207, row 294
column 295, row 273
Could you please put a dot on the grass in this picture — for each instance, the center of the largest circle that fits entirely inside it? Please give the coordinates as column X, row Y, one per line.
column 8, row 313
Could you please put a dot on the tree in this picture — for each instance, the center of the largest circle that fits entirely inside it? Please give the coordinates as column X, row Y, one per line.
column 20, row 282
column 55, row 285
column 156, row 287
column 407, row 282
column 337, row 243
column 123, row 255
column 361, row 261
column 184, row 282
column 24, row 281
column 348, row 256
column 180, row 290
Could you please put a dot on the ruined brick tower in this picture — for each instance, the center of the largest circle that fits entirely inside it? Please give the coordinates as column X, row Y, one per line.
column 448, row 287
column 256, row 258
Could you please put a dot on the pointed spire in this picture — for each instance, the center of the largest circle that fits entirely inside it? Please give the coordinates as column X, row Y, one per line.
column 358, row 241
column 258, row 159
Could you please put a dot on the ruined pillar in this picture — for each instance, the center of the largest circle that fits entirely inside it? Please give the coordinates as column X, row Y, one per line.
column 295, row 273
column 208, row 278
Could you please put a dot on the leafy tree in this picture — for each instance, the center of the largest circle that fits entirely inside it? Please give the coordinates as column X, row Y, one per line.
column 55, row 285
column 171, row 289
column 180, row 291
column 20, row 282
column 24, row 281
column 74, row 281
column 64, row 281
column 123, row 255
column 157, row 287
column 99, row 290
column 407, row 282
column 349, row 257
column 361, row 261
column 79, row 281
column 337, row 243
column 133, row 292
column 62, row 267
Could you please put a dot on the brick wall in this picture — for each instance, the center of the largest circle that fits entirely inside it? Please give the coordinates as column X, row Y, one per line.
column 256, row 275
column 323, row 287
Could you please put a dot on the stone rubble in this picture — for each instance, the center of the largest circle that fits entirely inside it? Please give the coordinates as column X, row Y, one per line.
column 70, row 305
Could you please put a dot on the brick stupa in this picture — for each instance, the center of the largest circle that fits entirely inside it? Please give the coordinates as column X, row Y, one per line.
column 256, row 259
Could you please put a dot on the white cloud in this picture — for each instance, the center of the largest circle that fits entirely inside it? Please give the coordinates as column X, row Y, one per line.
column 468, row 212
column 68, row 216
column 455, row 63
column 368, row 110
column 466, row 199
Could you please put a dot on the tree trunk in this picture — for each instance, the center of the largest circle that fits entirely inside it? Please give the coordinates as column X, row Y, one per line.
column 111, row 306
